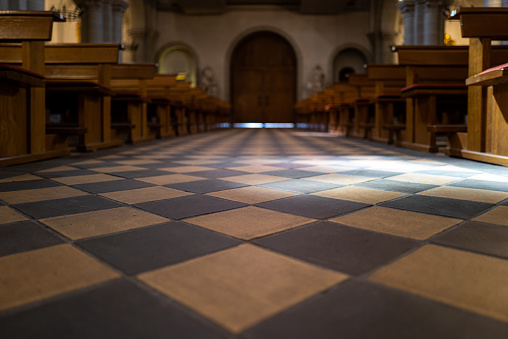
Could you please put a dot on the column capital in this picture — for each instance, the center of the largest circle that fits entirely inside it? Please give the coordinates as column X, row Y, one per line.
column 434, row 3
column 119, row 5
column 406, row 6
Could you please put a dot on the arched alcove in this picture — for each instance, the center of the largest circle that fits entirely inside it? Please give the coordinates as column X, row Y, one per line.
column 347, row 61
column 179, row 59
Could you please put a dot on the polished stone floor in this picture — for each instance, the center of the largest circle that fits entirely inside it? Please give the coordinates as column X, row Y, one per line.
column 254, row 234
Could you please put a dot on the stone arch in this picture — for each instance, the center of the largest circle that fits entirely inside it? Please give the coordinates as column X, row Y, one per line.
column 178, row 58
column 349, row 58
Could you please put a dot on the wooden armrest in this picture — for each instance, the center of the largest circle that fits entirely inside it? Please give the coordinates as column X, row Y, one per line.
column 447, row 128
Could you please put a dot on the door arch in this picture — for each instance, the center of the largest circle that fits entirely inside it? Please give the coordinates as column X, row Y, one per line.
column 263, row 79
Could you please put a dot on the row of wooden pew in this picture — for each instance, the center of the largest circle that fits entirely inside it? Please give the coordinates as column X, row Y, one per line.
column 453, row 98
column 58, row 97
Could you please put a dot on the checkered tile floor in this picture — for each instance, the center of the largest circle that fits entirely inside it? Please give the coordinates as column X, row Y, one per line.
column 254, row 234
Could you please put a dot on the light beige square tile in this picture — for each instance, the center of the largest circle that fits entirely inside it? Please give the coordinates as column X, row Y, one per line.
column 491, row 197
column 170, row 179
column 40, row 194
column 146, row 194
column 489, row 177
column 8, row 215
column 397, row 222
column 359, row 194
column 187, row 169
column 240, row 287
column 116, row 169
column 58, row 169
column 86, row 179
column 252, row 194
column 425, row 178
column 339, row 179
column 249, row 222
column 90, row 224
column 23, row 177
column 498, row 216
column 474, row 282
column 254, row 179
column 256, row 168
column 36, row 275
column 137, row 162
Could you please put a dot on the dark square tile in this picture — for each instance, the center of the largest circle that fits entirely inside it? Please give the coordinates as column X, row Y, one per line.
column 482, row 184
column 345, row 249
column 140, row 173
column 302, row 186
column 360, row 309
column 313, row 206
column 71, row 173
column 453, row 208
column 71, row 205
column 24, row 236
column 113, row 186
column 370, row 173
column 115, row 310
column 27, row 185
column 206, row 186
column 154, row 247
column 395, row 186
column 477, row 237
column 189, row 206
column 291, row 173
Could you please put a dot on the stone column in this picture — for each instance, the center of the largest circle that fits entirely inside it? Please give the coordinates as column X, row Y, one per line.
column 432, row 23
column 119, row 7
column 407, row 8
column 35, row 5
column 108, row 21
column 493, row 3
column 17, row 5
column 4, row 5
column 92, row 21
column 419, row 25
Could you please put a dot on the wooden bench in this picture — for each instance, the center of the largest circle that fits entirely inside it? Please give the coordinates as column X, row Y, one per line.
column 435, row 93
column 487, row 126
column 22, row 94
column 129, row 108
column 390, row 110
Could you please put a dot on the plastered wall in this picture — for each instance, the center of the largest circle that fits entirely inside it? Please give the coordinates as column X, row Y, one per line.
column 316, row 39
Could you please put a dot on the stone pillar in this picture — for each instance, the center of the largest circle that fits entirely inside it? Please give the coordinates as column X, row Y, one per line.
column 493, row 3
column 432, row 23
column 419, row 26
column 92, row 21
column 35, row 5
column 17, row 5
column 107, row 21
column 4, row 5
column 407, row 8
column 119, row 7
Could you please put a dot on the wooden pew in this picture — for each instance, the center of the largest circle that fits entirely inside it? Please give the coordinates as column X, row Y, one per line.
column 435, row 94
column 363, row 121
column 129, row 106
column 345, row 95
column 390, row 110
column 22, row 93
column 486, row 138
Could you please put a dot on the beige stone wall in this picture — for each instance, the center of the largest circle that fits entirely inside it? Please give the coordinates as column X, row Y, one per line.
column 316, row 39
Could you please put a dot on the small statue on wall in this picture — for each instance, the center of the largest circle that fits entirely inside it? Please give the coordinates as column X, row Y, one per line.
column 317, row 82
column 208, row 83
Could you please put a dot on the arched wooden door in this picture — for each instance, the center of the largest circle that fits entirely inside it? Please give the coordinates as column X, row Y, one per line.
column 263, row 79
